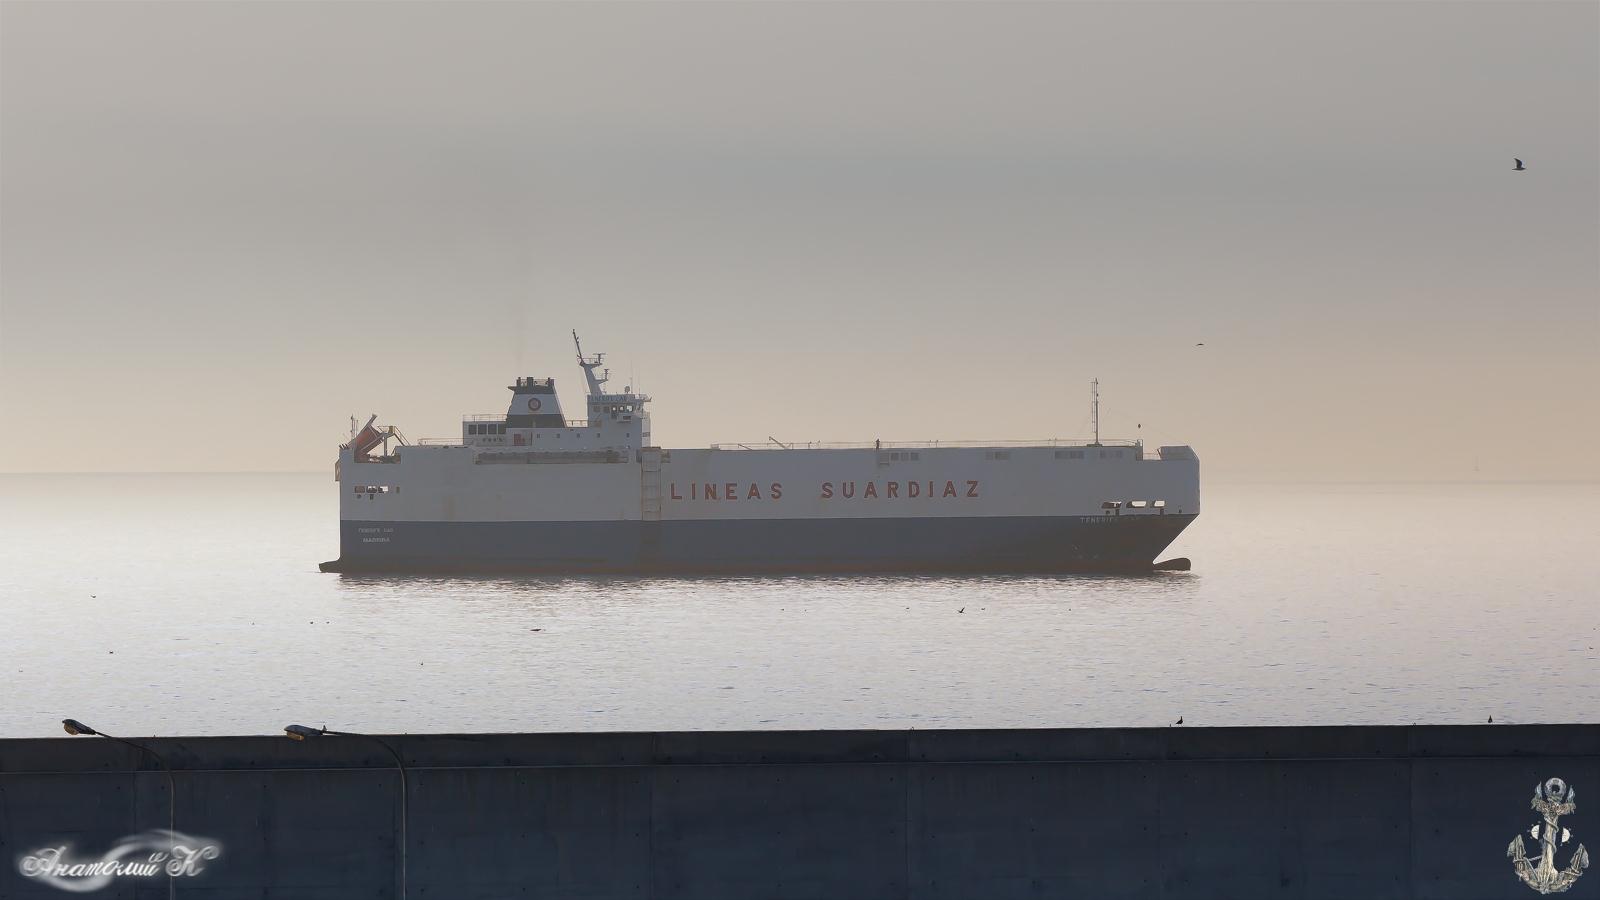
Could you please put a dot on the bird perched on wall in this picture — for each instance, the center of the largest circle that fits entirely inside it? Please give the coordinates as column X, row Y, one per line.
column 1520, row 167
column 1179, row 722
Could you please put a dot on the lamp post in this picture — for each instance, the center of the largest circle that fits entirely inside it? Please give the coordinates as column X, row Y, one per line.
column 74, row 727
column 302, row 732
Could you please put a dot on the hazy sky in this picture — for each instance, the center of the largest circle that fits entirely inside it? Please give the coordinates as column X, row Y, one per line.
column 227, row 227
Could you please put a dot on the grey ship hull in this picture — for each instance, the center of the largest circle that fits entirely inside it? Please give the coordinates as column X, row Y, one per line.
column 986, row 544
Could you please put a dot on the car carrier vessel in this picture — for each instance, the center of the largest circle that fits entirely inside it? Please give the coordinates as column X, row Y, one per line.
column 533, row 491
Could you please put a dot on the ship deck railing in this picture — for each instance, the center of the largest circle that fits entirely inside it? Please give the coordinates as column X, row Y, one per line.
column 1045, row 443
column 918, row 445
column 457, row 442
column 501, row 417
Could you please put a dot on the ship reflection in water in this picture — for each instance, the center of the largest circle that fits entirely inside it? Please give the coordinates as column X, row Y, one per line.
column 191, row 604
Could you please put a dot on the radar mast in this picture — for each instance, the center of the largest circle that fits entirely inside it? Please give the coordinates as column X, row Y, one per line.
column 589, row 364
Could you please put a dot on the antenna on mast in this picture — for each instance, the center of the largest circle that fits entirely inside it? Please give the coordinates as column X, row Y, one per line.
column 589, row 364
column 1094, row 409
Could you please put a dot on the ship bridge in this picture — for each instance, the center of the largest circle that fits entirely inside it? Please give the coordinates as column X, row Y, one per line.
column 534, row 420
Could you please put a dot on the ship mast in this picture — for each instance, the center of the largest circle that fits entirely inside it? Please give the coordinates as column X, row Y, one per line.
column 1094, row 409
column 589, row 364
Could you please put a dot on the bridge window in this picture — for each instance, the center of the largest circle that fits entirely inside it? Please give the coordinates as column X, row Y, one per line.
column 1069, row 454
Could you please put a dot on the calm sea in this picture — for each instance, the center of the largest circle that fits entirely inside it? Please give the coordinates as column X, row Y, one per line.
column 192, row 604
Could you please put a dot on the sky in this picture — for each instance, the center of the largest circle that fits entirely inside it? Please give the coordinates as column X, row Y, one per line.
column 225, row 228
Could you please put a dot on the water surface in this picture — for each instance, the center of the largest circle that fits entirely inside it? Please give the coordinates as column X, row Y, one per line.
column 177, row 604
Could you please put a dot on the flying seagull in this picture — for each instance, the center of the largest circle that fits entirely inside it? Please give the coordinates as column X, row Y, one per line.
column 1520, row 167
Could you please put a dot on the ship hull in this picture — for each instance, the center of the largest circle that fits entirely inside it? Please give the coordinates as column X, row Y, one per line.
column 979, row 544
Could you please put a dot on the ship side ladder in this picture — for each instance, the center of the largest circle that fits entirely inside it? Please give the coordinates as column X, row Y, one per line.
column 650, row 484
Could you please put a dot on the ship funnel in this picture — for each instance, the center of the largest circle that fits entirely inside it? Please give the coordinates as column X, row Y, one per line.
column 534, row 404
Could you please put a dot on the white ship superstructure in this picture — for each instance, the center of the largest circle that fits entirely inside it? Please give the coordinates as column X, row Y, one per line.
column 532, row 491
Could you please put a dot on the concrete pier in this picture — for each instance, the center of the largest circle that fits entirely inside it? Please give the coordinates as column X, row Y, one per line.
column 1335, row 812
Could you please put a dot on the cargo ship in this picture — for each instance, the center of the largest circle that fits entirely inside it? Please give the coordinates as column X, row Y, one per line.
column 531, row 491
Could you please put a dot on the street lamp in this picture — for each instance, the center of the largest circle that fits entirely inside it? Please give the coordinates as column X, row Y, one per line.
column 303, row 732
column 75, row 728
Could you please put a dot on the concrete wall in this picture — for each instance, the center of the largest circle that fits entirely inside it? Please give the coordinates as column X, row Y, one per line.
column 1347, row 812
